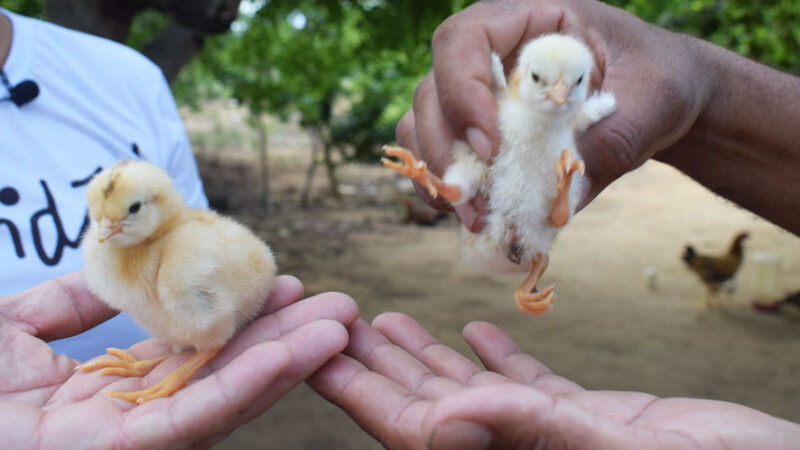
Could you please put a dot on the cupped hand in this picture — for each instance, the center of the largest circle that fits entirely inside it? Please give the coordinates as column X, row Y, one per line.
column 44, row 403
column 659, row 87
column 409, row 391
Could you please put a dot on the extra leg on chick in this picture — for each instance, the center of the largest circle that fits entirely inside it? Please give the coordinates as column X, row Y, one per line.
column 127, row 365
column 565, row 168
column 526, row 296
column 417, row 170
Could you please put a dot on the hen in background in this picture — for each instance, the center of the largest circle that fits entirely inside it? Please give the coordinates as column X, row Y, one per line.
column 716, row 270
column 190, row 277
column 535, row 181
column 791, row 299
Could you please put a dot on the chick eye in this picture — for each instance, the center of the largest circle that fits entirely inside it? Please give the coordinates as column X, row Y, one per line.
column 579, row 80
column 134, row 208
column 535, row 77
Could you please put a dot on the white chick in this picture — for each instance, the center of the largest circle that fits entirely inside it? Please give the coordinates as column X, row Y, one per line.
column 531, row 185
column 190, row 277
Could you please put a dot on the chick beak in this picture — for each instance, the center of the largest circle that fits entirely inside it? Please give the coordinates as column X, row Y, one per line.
column 558, row 93
column 108, row 228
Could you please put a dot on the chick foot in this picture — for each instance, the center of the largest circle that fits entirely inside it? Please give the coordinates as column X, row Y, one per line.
column 565, row 168
column 417, row 170
column 172, row 382
column 125, row 364
column 527, row 298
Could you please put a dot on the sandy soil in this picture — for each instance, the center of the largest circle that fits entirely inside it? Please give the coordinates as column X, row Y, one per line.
column 612, row 326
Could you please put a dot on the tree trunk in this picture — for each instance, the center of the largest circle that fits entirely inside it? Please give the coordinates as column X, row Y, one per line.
column 330, row 165
column 263, row 143
column 173, row 47
column 316, row 146
column 110, row 19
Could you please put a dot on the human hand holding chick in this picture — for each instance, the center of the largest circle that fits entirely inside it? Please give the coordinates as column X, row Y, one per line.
column 531, row 183
column 710, row 113
column 409, row 391
column 46, row 403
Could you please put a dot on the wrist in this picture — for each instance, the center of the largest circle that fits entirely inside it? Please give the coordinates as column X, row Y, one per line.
column 742, row 145
column 695, row 86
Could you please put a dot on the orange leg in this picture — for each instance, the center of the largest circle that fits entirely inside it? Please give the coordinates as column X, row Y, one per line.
column 565, row 168
column 124, row 364
column 529, row 301
column 172, row 382
column 418, row 171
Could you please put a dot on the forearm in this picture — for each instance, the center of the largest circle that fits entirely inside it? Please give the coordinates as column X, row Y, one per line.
column 745, row 146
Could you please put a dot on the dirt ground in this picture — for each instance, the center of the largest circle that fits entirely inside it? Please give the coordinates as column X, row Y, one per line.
column 628, row 314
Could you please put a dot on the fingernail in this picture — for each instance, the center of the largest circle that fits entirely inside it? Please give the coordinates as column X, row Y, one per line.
column 480, row 143
column 461, row 435
column 467, row 214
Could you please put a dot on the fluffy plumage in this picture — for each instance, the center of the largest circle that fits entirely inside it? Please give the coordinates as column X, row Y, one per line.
column 189, row 276
column 534, row 182
column 521, row 184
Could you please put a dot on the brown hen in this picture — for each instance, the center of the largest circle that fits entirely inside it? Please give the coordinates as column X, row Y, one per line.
column 715, row 270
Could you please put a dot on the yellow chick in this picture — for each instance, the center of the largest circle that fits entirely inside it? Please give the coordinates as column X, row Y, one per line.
column 190, row 277
column 531, row 183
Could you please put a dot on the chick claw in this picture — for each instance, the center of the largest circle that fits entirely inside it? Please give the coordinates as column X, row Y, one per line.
column 172, row 382
column 565, row 168
column 125, row 364
column 417, row 170
column 526, row 297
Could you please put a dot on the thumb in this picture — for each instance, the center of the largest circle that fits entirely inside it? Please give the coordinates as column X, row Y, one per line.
column 515, row 416
column 462, row 46
column 57, row 308
column 458, row 434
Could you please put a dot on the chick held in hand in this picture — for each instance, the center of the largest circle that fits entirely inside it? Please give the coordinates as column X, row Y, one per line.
column 535, row 181
column 189, row 276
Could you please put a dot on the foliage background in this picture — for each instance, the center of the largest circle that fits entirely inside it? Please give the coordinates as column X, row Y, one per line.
column 346, row 70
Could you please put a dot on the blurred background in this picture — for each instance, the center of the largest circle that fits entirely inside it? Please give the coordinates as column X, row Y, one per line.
column 287, row 104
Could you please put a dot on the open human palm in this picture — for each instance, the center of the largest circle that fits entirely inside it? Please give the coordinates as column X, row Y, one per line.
column 409, row 391
column 45, row 403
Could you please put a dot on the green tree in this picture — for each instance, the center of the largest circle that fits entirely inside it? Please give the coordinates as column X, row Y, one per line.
column 345, row 70
column 766, row 31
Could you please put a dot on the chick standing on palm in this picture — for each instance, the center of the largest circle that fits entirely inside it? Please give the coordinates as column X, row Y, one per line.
column 189, row 276
column 531, row 183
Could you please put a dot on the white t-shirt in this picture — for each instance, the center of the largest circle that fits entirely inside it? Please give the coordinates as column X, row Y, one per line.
column 99, row 102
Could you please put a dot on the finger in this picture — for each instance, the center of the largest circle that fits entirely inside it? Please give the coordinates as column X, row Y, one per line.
column 430, row 139
column 368, row 346
column 380, row 406
column 473, row 214
column 312, row 345
column 513, row 416
column 195, row 412
column 433, row 142
column 500, row 354
column 406, row 137
column 248, row 385
column 409, row 335
column 462, row 46
column 432, row 131
column 405, row 133
column 57, row 308
column 330, row 305
column 286, row 291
